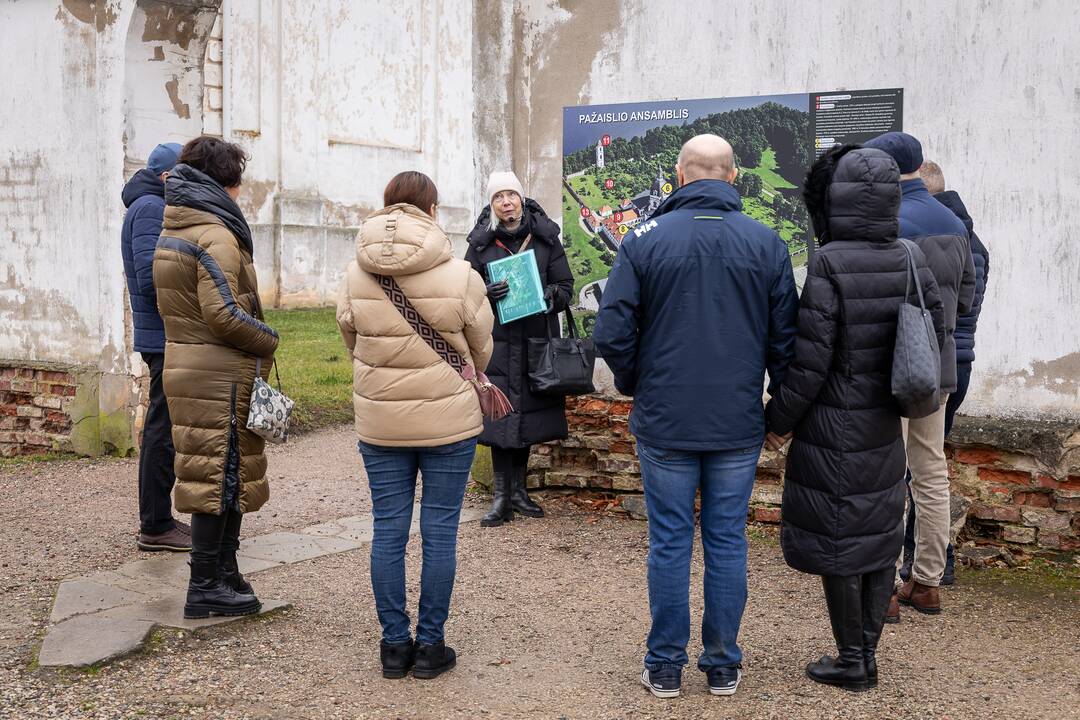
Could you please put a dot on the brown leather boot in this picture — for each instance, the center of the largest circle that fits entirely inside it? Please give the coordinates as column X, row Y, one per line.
column 892, row 615
column 923, row 598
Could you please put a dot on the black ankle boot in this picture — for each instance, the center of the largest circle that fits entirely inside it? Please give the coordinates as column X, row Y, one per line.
column 207, row 595
column 397, row 658
column 433, row 660
column 843, row 596
column 877, row 588
column 229, row 573
column 519, row 495
column 501, row 509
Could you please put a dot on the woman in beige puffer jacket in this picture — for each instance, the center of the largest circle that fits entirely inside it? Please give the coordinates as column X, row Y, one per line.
column 413, row 411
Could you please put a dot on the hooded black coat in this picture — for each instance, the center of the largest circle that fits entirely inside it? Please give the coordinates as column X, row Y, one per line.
column 536, row 418
column 843, row 501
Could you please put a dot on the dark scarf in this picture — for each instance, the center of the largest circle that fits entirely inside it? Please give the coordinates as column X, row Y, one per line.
column 518, row 235
column 188, row 187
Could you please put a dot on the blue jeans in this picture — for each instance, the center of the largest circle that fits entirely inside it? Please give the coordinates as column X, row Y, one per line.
column 391, row 473
column 672, row 478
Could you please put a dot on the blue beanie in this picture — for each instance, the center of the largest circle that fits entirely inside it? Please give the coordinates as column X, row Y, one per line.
column 901, row 147
column 163, row 158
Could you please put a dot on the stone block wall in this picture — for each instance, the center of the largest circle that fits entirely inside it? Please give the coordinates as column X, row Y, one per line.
column 1017, row 480
column 35, row 409
column 48, row 407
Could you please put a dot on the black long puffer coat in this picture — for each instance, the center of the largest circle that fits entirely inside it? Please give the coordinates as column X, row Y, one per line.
column 843, row 500
column 536, row 418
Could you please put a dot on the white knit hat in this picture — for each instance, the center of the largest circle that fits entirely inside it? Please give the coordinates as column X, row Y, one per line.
column 499, row 181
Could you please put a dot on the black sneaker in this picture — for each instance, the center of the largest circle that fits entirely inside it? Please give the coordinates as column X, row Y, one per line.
column 663, row 683
column 724, row 680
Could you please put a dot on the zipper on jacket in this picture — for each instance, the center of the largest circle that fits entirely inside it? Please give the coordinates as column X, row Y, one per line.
column 229, row 450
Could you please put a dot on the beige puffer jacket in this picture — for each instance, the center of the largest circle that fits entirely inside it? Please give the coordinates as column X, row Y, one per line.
column 404, row 393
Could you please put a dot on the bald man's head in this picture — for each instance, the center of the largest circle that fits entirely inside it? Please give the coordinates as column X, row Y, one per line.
column 706, row 157
column 932, row 177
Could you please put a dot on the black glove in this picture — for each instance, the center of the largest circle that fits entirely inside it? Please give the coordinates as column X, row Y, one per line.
column 555, row 299
column 499, row 290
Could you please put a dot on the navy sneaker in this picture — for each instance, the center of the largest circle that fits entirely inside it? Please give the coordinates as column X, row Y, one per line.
column 663, row 683
column 724, row 680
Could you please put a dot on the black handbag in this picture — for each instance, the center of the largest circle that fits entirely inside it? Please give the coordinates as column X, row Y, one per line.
column 562, row 365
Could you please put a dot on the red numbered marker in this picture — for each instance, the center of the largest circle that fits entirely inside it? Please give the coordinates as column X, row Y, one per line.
column 606, row 140
column 609, row 184
column 585, row 212
column 617, row 216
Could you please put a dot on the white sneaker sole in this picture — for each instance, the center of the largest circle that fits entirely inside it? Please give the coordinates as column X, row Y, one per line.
column 663, row 694
column 725, row 691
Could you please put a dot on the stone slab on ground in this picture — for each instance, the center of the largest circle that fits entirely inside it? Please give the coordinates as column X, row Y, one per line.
column 106, row 614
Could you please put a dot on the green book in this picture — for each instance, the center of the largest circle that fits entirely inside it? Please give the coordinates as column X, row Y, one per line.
column 526, row 293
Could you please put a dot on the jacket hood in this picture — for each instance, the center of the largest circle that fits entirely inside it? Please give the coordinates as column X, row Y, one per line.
column 544, row 228
column 401, row 240
column 192, row 188
column 864, row 197
column 951, row 200
column 142, row 183
column 711, row 194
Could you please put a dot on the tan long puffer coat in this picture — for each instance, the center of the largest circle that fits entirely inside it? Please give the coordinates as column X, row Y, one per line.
column 208, row 297
column 404, row 393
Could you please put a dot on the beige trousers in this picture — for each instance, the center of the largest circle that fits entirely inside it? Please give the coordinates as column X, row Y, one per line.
column 925, row 442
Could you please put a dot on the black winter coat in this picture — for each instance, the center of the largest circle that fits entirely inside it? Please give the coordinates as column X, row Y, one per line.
column 844, row 489
column 967, row 322
column 536, row 418
column 144, row 198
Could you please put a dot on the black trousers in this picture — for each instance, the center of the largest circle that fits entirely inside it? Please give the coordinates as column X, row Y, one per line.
column 212, row 535
column 508, row 460
column 156, row 474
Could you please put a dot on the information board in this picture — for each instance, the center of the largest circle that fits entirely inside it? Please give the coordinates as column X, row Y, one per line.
column 619, row 165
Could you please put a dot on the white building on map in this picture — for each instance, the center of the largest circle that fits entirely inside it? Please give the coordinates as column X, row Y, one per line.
column 600, row 154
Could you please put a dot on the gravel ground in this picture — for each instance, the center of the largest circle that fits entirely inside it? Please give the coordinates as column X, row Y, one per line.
column 548, row 619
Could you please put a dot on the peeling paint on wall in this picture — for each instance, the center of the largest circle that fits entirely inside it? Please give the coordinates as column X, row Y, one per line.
column 1061, row 375
column 99, row 13
column 182, row 109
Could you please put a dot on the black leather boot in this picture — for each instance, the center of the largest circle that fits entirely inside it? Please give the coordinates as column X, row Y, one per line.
column 228, row 570
column 433, row 660
column 843, row 596
column 397, row 658
column 501, row 510
column 229, row 573
column 207, row 595
column 877, row 589
column 519, row 495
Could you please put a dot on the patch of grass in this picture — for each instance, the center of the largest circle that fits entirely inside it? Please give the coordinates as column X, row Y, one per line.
column 22, row 460
column 1036, row 578
column 315, row 367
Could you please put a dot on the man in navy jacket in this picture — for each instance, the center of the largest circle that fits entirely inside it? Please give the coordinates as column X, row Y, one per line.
column 944, row 240
column 700, row 303
column 144, row 197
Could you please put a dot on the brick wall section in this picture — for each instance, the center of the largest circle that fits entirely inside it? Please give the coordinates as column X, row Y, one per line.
column 34, row 405
column 1022, row 477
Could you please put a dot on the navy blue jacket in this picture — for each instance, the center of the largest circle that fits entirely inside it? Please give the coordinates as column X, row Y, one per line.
column 966, row 322
column 700, row 302
column 144, row 198
column 944, row 241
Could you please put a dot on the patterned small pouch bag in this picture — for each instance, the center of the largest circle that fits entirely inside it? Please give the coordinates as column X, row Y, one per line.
column 268, row 414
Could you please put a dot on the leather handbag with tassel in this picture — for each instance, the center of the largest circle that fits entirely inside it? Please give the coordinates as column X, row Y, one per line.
column 493, row 403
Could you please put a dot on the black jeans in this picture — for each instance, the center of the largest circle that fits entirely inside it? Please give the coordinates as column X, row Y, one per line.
column 507, row 460
column 213, row 534
column 156, row 474
column 963, row 378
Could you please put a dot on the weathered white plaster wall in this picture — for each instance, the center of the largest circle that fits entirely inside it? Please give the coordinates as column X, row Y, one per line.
column 992, row 88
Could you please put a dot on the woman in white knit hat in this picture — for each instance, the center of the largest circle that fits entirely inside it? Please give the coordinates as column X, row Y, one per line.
column 513, row 223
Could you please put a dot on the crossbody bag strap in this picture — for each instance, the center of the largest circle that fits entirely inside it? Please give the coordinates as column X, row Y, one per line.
column 258, row 372
column 420, row 326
